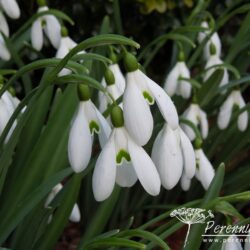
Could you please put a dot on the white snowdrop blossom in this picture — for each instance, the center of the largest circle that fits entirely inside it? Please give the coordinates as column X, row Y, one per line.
column 87, row 121
column 215, row 60
column 173, row 155
column 214, row 39
column 115, row 89
column 140, row 92
column 232, row 243
column 204, row 169
column 174, row 84
column 11, row 8
column 75, row 215
column 225, row 113
column 4, row 28
column 51, row 27
column 197, row 116
column 122, row 161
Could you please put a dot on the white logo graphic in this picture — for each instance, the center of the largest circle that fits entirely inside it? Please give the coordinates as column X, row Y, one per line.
column 191, row 216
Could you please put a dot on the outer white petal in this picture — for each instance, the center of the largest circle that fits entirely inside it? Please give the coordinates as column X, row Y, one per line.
column 168, row 159
column 164, row 102
column 9, row 102
column 243, row 117
column 4, row 52
column 225, row 112
column 216, row 41
column 225, row 79
column 184, row 86
column 212, row 60
column 4, row 27
column 232, row 243
column 205, row 171
column 119, row 78
column 137, row 114
column 105, row 129
column 126, row 175
column 171, row 81
column 63, row 48
column 188, row 155
column 75, row 215
column 11, row 8
column 157, row 148
column 80, row 142
column 144, row 168
column 4, row 115
column 203, row 123
column 104, row 175
column 53, row 30
column 185, row 182
column 37, row 35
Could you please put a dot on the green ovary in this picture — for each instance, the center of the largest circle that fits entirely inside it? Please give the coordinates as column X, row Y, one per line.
column 122, row 155
column 148, row 97
column 94, row 127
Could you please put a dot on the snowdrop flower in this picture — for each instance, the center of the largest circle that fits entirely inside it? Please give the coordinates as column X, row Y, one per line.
column 11, row 8
column 75, row 215
column 87, row 121
column 213, row 39
column 225, row 113
column 51, row 27
column 215, row 60
column 66, row 44
column 197, row 116
column 204, row 169
column 114, row 83
column 173, row 154
column 174, row 84
column 232, row 243
column 122, row 161
column 140, row 92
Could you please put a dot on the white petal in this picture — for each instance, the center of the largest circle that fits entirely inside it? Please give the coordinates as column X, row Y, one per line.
column 125, row 175
column 53, row 30
column 4, row 52
column 171, row 81
column 225, row 113
column 164, row 102
column 144, row 168
column 203, row 123
column 105, row 129
column 4, row 27
column 37, row 35
column 80, row 142
column 203, row 34
column 184, row 86
column 11, row 8
column 4, row 115
column 9, row 103
column 205, row 171
column 168, row 160
column 137, row 114
column 75, row 215
column 185, row 182
column 188, row 155
column 104, row 175
column 243, row 121
column 119, row 78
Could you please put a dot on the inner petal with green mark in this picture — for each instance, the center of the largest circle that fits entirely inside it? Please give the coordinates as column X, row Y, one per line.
column 121, row 156
column 94, row 127
column 148, row 97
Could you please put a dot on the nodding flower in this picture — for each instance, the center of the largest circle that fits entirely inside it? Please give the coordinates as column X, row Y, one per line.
column 11, row 8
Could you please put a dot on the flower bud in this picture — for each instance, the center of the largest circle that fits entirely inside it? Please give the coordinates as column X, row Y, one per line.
column 130, row 62
column 109, row 77
column 83, row 92
column 117, row 117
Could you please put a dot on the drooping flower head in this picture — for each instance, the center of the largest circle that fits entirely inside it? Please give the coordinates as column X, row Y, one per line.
column 173, row 155
column 140, row 92
column 122, row 161
column 11, row 8
column 175, row 83
column 47, row 23
column 87, row 121
column 234, row 99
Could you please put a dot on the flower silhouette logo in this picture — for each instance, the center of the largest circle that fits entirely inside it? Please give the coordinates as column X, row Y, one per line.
column 191, row 216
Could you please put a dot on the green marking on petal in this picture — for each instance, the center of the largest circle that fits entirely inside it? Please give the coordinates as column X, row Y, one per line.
column 148, row 97
column 94, row 127
column 122, row 155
